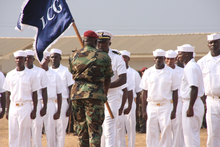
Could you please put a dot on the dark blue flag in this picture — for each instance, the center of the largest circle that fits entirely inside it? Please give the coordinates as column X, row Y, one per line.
column 50, row 17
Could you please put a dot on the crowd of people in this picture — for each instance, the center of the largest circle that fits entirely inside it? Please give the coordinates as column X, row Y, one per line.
column 109, row 99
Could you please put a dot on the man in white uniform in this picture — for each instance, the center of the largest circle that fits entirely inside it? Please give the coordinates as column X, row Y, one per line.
column 2, row 95
column 210, row 67
column 54, row 90
column 37, row 123
column 66, row 76
column 161, row 92
column 114, row 98
column 130, row 119
column 22, row 85
column 176, row 123
column 191, row 91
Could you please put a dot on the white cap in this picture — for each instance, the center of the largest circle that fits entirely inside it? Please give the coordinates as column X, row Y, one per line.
column 158, row 52
column 55, row 50
column 176, row 52
column 46, row 54
column 20, row 53
column 30, row 52
column 103, row 34
column 170, row 54
column 124, row 52
column 213, row 37
column 186, row 48
column 194, row 54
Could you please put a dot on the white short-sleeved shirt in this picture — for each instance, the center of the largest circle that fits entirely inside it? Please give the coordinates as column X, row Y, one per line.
column 55, row 86
column 210, row 67
column 66, row 77
column 192, row 77
column 118, row 68
column 21, row 84
column 2, row 80
column 136, row 79
column 178, row 71
column 42, row 77
column 160, row 84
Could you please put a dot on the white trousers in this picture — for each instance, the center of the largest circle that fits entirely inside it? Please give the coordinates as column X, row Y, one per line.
column 130, row 125
column 192, row 125
column 61, row 124
column 120, row 132
column 213, row 121
column 20, row 125
column 176, row 127
column 50, row 124
column 159, row 120
column 37, row 125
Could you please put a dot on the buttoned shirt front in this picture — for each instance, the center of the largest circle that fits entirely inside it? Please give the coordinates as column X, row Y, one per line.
column 42, row 77
column 66, row 77
column 55, row 86
column 210, row 67
column 160, row 84
column 2, row 80
column 21, row 84
column 192, row 77
column 118, row 68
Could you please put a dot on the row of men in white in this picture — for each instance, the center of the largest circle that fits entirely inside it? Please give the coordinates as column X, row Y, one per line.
column 38, row 92
column 161, row 85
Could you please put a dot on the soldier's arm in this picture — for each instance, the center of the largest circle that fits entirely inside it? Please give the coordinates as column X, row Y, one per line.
column 2, row 104
column 8, row 103
column 107, row 85
column 44, row 95
column 137, row 102
column 35, row 100
column 130, row 100
column 175, row 102
column 59, row 104
column 68, row 112
column 124, row 98
column 120, row 81
column 144, row 104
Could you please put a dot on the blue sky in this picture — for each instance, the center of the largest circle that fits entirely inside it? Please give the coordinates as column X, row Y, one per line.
column 127, row 17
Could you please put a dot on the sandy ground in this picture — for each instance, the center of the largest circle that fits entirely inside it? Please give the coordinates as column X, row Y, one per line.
column 71, row 140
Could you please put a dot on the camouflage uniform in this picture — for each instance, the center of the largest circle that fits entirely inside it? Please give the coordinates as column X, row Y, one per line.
column 89, row 68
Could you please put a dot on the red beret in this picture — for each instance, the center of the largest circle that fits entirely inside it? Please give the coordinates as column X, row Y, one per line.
column 143, row 69
column 91, row 34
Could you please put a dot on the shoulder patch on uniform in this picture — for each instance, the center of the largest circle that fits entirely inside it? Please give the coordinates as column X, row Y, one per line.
column 116, row 52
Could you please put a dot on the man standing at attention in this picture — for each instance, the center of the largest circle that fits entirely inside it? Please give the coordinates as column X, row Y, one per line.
column 22, row 85
column 54, row 91
column 92, row 73
column 114, row 97
column 37, row 123
column 210, row 66
column 191, row 91
column 176, row 123
column 130, row 119
column 2, row 95
column 160, row 87
column 66, row 76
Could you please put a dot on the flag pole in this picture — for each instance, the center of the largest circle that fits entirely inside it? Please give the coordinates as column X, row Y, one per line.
column 80, row 40
column 77, row 33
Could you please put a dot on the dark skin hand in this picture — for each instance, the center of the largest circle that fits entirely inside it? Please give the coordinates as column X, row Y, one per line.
column 59, row 103
column 137, row 103
column 193, row 96
column 69, row 110
column 130, row 100
column 8, row 104
column 175, row 102
column 44, row 109
column 35, row 100
column 144, row 101
column 124, row 98
column 3, row 105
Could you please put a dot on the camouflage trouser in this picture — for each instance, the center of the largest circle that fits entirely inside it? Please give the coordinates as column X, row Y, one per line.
column 88, row 118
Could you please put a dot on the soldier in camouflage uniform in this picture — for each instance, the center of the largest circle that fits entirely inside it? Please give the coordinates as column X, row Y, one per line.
column 92, row 72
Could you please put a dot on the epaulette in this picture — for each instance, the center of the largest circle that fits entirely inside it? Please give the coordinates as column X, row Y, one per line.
column 118, row 53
